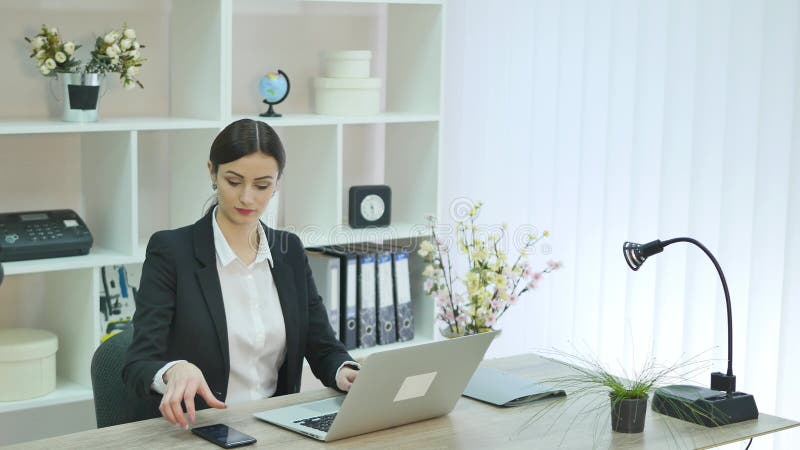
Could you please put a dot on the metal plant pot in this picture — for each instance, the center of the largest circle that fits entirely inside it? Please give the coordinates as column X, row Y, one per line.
column 81, row 94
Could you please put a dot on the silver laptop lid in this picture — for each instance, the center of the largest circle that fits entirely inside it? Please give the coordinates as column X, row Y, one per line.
column 410, row 384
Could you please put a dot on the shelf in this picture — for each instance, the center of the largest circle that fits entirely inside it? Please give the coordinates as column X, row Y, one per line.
column 97, row 257
column 33, row 126
column 361, row 353
column 296, row 120
column 388, row 2
column 343, row 234
column 65, row 392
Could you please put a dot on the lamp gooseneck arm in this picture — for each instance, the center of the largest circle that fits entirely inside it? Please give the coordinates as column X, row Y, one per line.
column 724, row 288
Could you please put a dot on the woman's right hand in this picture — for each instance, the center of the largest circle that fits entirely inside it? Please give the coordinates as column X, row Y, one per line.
column 184, row 380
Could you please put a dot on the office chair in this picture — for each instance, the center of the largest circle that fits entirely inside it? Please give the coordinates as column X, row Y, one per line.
column 112, row 402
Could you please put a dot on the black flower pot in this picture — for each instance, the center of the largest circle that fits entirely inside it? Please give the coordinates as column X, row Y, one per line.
column 627, row 415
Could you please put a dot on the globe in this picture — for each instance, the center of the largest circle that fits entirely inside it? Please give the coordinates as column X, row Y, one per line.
column 274, row 88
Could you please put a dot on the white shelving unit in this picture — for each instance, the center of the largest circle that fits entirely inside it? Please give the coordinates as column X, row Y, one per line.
column 142, row 166
column 51, row 126
column 300, row 120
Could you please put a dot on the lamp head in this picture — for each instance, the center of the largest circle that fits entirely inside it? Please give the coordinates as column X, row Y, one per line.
column 636, row 254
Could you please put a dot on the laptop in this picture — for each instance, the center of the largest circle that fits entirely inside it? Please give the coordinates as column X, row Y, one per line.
column 394, row 387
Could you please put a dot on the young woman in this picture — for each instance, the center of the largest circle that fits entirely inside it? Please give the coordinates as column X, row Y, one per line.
column 227, row 308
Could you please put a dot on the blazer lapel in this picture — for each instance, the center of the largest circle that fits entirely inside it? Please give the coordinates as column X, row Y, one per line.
column 283, row 275
column 208, row 278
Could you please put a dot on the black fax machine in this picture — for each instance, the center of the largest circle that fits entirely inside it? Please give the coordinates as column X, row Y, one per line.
column 43, row 234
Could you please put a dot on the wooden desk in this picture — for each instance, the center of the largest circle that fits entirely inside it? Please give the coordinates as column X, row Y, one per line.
column 471, row 424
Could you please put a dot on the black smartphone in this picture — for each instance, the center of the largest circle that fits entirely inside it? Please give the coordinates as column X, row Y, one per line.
column 223, row 435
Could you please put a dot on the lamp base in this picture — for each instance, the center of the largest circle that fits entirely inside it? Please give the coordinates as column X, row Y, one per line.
column 704, row 406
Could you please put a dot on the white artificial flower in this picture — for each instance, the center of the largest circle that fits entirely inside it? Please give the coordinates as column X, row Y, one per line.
column 39, row 54
column 43, row 68
column 117, row 50
column 115, row 60
column 132, row 71
column 38, row 42
column 109, row 38
column 69, row 48
column 129, row 33
column 50, row 64
column 136, row 44
column 129, row 84
column 133, row 54
column 125, row 44
column 110, row 52
column 53, row 30
column 60, row 57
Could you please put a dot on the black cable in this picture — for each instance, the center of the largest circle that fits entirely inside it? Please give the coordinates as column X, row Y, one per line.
column 748, row 444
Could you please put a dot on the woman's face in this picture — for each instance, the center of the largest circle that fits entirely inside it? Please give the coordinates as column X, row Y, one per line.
column 245, row 187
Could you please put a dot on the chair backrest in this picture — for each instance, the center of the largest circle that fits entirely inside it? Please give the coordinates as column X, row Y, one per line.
column 111, row 398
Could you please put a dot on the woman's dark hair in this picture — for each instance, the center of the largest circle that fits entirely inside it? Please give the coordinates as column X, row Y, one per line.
column 245, row 137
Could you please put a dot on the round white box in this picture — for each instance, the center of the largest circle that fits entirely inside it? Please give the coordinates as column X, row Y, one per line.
column 347, row 96
column 346, row 64
column 27, row 363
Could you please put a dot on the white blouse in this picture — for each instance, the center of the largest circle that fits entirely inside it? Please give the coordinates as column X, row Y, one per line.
column 256, row 332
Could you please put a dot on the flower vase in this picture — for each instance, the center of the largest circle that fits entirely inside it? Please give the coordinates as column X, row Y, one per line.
column 81, row 94
column 450, row 332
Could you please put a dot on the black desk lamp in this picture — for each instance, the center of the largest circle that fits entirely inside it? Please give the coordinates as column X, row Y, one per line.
column 721, row 404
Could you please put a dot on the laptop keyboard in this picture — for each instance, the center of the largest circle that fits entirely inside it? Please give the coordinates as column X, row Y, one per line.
column 322, row 423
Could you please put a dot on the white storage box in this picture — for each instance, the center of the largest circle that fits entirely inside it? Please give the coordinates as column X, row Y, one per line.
column 27, row 363
column 347, row 96
column 346, row 64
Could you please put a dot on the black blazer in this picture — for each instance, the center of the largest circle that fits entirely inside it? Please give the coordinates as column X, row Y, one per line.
column 180, row 314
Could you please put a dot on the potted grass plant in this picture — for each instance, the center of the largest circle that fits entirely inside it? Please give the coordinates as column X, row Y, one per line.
column 626, row 392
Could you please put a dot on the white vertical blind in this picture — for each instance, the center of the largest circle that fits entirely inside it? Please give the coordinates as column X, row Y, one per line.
column 590, row 195
column 614, row 120
column 676, row 161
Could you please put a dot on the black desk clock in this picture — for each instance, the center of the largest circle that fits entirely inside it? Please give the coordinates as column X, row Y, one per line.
column 370, row 206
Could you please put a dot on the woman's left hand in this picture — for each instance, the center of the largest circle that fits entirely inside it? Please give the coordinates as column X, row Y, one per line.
column 346, row 377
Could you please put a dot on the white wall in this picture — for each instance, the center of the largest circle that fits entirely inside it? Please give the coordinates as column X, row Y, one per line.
column 614, row 120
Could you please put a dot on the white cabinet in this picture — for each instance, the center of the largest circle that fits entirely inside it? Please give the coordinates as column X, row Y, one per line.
column 142, row 167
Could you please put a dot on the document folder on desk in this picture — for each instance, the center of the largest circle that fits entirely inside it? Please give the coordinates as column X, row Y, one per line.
column 506, row 389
